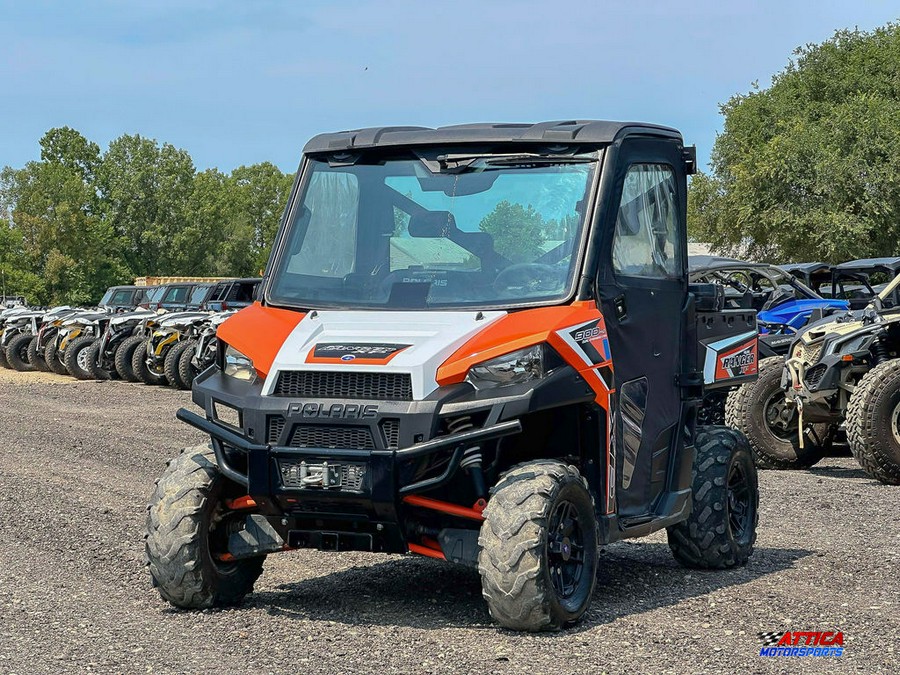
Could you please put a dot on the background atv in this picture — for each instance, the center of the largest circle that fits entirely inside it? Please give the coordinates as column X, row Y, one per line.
column 419, row 377
column 840, row 369
column 783, row 305
column 859, row 281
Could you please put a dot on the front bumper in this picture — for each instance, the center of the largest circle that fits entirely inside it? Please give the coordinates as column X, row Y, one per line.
column 366, row 490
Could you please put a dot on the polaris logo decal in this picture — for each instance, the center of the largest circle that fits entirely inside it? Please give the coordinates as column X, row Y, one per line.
column 341, row 352
column 340, row 411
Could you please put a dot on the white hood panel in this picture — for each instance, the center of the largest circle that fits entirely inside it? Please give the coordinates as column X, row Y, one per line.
column 432, row 336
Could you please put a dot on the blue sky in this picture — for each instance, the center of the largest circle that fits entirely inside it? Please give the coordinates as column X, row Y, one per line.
column 242, row 82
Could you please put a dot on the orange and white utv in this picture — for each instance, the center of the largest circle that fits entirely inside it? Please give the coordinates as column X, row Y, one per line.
column 475, row 343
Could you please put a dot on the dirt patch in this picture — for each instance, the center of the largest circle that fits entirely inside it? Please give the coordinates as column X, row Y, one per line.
column 77, row 464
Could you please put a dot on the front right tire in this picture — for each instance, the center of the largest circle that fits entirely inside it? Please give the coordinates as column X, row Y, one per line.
column 539, row 547
column 186, row 527
column 760, row 411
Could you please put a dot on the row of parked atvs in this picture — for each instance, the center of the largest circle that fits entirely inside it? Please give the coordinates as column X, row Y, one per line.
column 131, row 335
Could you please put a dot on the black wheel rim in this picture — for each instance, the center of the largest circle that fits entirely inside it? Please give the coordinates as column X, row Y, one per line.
column 781, row 419
column 565, row 549
column 740, row 503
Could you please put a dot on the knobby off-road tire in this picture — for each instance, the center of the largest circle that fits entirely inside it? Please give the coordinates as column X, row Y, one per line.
column 873, row 427
column 51, row 358
column 721, row 529
column 753, row 409
column 173, row 374
column 539, row 547
column 186, row 370
column 140, row 368
column 181, row 514
column 36, row 356
column 123, row 356
column 3, row 362
column 17, row 353
column 93, row 363
column 76, row 357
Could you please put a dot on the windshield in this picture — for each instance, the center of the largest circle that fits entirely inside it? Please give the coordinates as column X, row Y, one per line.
column 493, row 230
column 198, row 295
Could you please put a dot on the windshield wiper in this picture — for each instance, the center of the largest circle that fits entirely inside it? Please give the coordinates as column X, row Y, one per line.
column 458, row 163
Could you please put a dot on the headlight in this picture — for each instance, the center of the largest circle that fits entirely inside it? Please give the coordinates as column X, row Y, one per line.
column 238, row 366
column 513, row 368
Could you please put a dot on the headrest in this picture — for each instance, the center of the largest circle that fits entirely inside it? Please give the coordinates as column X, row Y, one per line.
column 431, row 224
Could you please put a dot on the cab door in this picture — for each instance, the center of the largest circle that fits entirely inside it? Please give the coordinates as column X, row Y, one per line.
column 642, row 288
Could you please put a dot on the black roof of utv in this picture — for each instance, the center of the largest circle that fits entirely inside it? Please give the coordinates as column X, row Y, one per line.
column 571, row 131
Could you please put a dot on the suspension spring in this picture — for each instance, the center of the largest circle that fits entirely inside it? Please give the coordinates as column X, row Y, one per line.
column 472, row 459
column 880, row 352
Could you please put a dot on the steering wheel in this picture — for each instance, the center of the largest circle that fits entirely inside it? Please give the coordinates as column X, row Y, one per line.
column 535, row 276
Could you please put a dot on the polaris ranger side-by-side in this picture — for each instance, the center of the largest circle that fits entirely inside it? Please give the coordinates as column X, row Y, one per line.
column 478, row 344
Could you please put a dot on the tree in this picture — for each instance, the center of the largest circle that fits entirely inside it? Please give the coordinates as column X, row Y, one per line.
column 518, row 231
column 145, row 189
column 807, row 169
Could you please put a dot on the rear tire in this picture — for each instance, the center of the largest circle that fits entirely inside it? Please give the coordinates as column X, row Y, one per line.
column 17, row 353
column 76, row 356
column 93, row 363
column 754, row 409
column 721, row 529
column 539, row 547
column 186, row 370
column 873, row 422
column 124, row 355
column 141, row 370
column 51, row 358
column 180, row 541
column 173, row 374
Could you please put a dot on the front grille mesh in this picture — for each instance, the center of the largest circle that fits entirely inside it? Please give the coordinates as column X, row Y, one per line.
column 318, row 436
column 390, row 429
column 276, row 426
column 814, row 375
column 345, row 385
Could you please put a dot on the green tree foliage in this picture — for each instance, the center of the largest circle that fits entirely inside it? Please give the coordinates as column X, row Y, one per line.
column 518, row 231
column 807, row 169
column 79, row 220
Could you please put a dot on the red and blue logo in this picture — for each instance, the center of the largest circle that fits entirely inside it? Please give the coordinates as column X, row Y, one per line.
column 802, row 643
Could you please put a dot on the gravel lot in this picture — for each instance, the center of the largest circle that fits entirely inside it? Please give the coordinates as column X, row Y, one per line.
column 78, row 460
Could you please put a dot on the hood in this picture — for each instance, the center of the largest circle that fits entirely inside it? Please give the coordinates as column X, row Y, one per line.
column 401, row 342
column 796, row 313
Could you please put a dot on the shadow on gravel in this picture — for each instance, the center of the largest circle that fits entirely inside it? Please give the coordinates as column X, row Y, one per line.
column 840, row 472
column 422, row 593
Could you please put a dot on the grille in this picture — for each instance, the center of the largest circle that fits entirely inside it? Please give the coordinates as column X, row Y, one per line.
column 390, row 429
column 317, row 436
column 320, row 384
column 276, row 426
column 809, row 354
column 814, row 375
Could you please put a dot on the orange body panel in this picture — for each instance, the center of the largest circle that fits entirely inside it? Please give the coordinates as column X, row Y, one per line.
column 518, row 331
column 259, row 332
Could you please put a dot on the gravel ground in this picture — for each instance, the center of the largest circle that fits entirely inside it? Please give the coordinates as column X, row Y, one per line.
column 77, row 463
